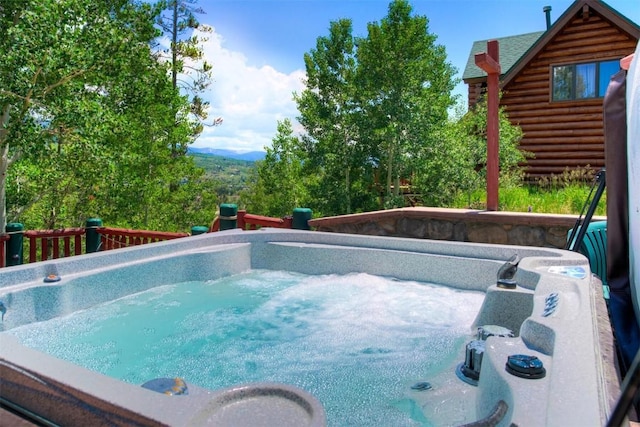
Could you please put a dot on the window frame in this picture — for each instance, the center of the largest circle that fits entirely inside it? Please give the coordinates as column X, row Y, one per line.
column 574, row 65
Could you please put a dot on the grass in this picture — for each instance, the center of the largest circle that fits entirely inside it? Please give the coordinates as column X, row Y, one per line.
column 564, row 194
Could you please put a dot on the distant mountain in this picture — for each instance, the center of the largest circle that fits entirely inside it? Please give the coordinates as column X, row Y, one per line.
column 250, row 156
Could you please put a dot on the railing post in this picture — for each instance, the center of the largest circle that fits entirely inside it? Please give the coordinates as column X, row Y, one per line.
column 301, row 217
column 198, row 229
column 3, row 250
column 228, row 216
column 242, row 220
column 92, row 240
column 15, row 230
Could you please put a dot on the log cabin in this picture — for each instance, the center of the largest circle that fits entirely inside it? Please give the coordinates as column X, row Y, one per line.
column 553, row 83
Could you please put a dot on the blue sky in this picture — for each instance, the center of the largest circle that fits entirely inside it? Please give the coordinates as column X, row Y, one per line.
column 257, row 49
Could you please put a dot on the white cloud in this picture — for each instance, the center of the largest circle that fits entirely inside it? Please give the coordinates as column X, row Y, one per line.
column 250, row 100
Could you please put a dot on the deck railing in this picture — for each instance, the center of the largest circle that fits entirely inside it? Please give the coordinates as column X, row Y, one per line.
column 48, row 242
column 230, row 217
column 247, row 221
column 116, row 238
column 3, row 239
column 42, row 245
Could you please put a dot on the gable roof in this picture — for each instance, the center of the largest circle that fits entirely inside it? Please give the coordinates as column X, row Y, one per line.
column 599, row 6
column 515, row 54
column 512, row 48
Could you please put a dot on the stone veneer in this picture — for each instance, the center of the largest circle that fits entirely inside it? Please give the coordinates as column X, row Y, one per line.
column 463, row 225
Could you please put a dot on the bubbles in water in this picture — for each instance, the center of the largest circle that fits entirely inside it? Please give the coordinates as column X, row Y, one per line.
column 357, row 342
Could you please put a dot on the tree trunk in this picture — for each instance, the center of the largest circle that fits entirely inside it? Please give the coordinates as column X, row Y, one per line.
column 347, row 169
column 174, row 46
column 174, row 77
column 4, row 166
column 348, row 189
column 389, row 169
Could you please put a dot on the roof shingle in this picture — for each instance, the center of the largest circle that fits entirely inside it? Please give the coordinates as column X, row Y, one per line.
column 512, row 48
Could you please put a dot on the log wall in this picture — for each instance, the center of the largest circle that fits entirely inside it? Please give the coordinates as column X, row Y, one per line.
column 568, row 133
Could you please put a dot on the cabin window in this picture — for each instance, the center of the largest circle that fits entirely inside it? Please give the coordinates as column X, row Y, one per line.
column 582, row 81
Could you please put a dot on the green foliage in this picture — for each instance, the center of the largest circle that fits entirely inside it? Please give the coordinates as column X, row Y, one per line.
column 372, row 109
column 375, row 112
column 460, row 165
column 407, row 84
column 278, row 184
column 228, row 176
column 330, row 113
column 569, row 199
column 189, row 72
column 560, row 194
column 85, row 111
column 568, row 178
column 177, row 21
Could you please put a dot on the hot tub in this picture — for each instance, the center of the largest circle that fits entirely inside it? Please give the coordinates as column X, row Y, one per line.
column 555, row 312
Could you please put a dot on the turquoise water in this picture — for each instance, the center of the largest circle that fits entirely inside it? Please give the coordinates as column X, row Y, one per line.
column 357, row 342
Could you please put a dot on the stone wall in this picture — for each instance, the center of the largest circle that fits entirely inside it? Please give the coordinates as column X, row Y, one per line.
column 463, row 225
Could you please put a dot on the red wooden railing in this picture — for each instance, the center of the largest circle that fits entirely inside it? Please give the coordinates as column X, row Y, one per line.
column 3, row 238
column 43, row 239
column 115, row 238
column 247, row 221
column 53, row 244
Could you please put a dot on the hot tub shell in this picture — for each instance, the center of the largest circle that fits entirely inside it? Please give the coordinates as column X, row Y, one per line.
column 573, row 340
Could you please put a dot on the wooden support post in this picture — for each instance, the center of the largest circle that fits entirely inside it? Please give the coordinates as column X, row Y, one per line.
column 490, row 63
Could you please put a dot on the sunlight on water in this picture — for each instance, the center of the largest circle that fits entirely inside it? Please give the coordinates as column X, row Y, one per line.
column 356, row 342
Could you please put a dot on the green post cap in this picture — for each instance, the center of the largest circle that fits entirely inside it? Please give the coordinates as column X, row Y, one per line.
column 199, row 229
column 12, row 227
column 228, row 209
column 93, row 239
column 228, row 216
column 301, row 217
column 93, row 222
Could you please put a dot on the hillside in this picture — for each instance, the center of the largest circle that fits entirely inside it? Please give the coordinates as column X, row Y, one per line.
column 250, row 156
column 230, row 174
